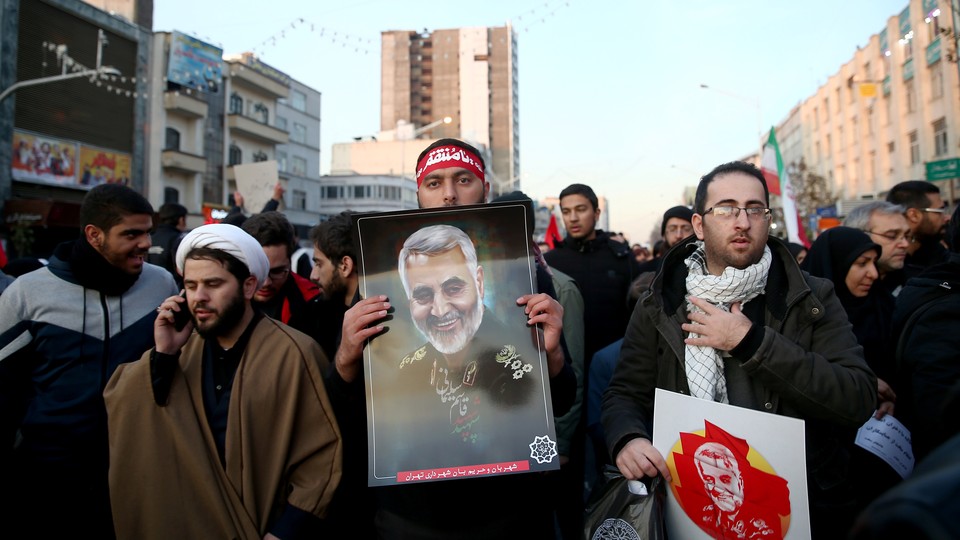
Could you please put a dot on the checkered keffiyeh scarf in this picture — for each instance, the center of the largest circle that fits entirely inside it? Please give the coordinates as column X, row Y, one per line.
column 704, row 365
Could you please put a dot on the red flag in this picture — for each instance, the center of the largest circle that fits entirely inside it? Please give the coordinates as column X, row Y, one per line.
column 3, row 256
column 553, row 232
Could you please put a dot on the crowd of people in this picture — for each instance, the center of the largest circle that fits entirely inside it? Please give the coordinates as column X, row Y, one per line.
column 197, row 385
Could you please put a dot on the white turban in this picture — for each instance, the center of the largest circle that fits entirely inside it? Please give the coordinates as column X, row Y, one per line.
column 231, row 239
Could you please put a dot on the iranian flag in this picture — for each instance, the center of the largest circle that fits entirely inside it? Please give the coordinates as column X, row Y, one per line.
column 778, row 183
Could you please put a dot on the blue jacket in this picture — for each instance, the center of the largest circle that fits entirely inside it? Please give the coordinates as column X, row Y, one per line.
column 59, row 344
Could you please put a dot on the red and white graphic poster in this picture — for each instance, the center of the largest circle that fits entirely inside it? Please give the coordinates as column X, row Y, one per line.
column 737, row 473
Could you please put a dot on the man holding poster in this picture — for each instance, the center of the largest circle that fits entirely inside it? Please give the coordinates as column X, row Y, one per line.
column 451, row 173
column 731, row 318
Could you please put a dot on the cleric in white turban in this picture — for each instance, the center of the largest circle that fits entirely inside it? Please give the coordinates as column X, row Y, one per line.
column 231, row 239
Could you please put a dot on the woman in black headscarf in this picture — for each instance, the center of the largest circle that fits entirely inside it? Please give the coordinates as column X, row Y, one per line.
column 847, row 257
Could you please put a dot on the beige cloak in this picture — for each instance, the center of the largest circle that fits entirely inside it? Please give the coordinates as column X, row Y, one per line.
column 282, row 443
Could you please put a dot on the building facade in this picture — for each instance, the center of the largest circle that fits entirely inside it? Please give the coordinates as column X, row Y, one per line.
column 366, row 193
column 62, row 137
column 299, row 159
column 467, row 74
column 890, row 114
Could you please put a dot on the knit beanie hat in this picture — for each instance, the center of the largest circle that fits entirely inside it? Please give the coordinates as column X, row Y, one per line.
column 681, row 212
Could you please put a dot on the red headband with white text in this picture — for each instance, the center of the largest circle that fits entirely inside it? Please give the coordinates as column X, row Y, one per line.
column 444, row 157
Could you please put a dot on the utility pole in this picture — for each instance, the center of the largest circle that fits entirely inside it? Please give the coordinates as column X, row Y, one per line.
column 67, row 63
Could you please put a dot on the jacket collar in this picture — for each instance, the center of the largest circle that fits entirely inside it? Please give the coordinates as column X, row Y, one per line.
column 785, row 282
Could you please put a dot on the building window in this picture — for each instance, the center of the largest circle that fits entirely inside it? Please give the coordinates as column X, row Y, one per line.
column 911, row 96
column 236, row 103
column 261, row 113
column 171, row 195
column 914, row 141
column 826, row 109
column 933, row 23
column 260, row 156
column 816, row 117
column 298, row 100
column 281, row 123
column 940, row 137
column 840, row 140
column 299, row 133
column 829, row 145
column 235, row 155
column 331, row 192
column 936, row 80
column 298, row 166
column 171, row 140
column 852, row 88
column 299, row 199
column 282, row 161
column 358, row 192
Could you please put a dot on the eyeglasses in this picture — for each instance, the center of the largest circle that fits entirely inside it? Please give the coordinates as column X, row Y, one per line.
column 278, row 272
column 726, row 212
column 894, row 236
column 943, row 210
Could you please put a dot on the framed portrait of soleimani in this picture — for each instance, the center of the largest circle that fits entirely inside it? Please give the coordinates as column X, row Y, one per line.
column 457, row 385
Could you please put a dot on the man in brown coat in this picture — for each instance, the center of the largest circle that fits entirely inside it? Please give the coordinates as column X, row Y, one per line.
column 226, row 432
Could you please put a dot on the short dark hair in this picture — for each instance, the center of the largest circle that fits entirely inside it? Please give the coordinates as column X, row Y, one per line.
column 231, row 263
column 581, row 189
column 107, row 204
column 912, row 193
column 170, row 213
column 334, row 237
column 272, row 229
column 452, row 142
column 700, row 200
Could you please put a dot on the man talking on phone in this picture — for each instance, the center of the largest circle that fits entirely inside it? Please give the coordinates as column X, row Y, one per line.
column 230, row 426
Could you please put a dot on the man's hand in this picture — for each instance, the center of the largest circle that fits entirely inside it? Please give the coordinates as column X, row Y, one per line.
column 238, row 199
column 166, row 338
column 717, row 328
column 886, row 398
column 543, row 310
column 278, row 191
column 639, row 459
column 356, row 331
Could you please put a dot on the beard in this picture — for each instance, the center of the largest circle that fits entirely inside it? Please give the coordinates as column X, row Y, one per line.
column 227, row 318
column 336, row 289
column 451, row 342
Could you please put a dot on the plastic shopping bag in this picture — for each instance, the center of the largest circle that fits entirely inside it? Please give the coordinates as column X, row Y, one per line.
column 625, row 509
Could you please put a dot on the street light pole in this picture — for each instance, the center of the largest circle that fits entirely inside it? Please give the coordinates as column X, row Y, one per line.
column 67, row 61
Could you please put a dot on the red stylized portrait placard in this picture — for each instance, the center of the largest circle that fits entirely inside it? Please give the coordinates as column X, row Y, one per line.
column 737, row 473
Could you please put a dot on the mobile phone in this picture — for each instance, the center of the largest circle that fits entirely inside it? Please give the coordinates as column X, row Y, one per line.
column 182, row 317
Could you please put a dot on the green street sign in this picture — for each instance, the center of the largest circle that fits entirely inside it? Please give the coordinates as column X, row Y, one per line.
column 944, row 169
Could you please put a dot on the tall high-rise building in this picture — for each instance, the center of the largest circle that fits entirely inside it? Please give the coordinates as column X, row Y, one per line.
column 468, row 74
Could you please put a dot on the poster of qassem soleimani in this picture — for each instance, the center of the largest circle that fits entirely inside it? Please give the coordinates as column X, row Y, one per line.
column 457, row 385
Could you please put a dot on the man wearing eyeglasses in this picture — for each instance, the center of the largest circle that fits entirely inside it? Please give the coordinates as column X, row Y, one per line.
column 928, row 215
column 731, row 318
column 285, row 296
column 887, row 226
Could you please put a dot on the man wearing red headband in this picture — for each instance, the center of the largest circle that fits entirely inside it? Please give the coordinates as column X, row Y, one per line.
column 451, row 173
